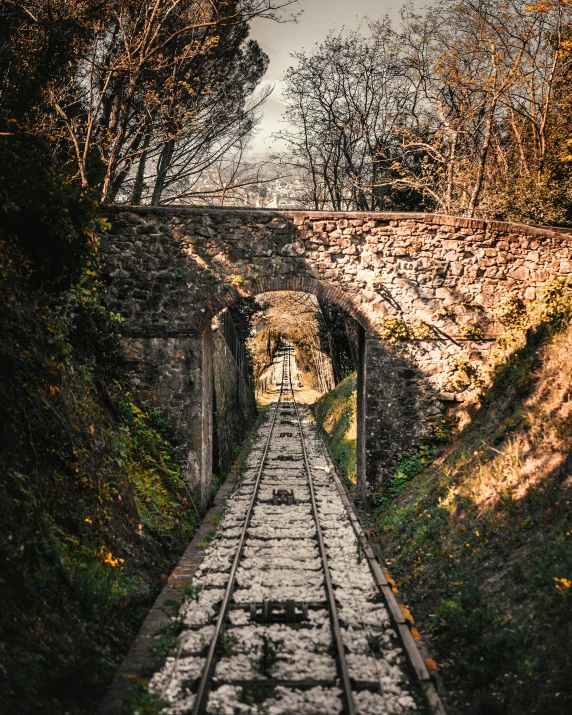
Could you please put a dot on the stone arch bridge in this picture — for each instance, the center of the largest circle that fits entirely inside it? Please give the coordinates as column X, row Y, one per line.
column 431, row 279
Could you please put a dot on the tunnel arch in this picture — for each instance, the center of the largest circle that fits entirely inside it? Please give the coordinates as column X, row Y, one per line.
column 297, row 284
column 310, row 286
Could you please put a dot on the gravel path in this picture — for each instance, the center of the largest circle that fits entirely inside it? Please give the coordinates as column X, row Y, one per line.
column 277, row 651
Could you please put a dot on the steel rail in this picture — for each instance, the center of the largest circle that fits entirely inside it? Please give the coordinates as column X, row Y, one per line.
column 203, row 690
column 335, row 623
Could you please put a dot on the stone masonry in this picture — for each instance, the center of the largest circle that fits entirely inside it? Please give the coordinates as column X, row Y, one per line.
column 234, row 406
column 172, row 269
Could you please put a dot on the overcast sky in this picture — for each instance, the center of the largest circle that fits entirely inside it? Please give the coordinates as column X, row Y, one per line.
column 279, row 41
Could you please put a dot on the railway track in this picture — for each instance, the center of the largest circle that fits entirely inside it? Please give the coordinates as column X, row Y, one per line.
column 285, row 615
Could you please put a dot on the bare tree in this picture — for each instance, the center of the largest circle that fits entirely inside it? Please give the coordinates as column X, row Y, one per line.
column 136, row 78
column 346, row 102
column 473, row 63
column 296, row 316
column 228, row 178
column 214, row 145
column 432, row 115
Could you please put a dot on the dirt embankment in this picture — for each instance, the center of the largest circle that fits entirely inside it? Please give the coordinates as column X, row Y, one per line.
column 479, row 541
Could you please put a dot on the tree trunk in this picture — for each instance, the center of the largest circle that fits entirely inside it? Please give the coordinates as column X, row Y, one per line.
column 451, row 172
column 483, row 160
column 162, row 169
column 139, row 184
column 117, row 182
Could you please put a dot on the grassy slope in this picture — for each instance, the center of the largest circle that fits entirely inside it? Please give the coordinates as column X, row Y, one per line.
column 479, row 541
column 335, row 412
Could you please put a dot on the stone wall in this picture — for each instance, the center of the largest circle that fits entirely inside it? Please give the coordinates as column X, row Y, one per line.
column 195, row 383
column 171, row 269
column 176, row 376
column 234, row 406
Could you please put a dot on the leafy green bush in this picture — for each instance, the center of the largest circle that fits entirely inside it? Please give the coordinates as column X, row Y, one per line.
column 408, row 468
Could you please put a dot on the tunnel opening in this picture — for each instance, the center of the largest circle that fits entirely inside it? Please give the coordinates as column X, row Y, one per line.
column 327, row 344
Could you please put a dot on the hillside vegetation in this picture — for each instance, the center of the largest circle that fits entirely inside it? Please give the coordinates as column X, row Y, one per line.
column 480, row 540
column 476, row 527
column 94, row 509
column 335, row 412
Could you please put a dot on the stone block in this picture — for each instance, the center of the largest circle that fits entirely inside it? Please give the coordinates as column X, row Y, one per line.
column 520, row 274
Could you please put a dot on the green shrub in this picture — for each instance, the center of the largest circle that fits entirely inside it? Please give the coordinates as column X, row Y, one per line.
column 407, row 469
column 95, row 511
column 335, row 412
column 394, row 329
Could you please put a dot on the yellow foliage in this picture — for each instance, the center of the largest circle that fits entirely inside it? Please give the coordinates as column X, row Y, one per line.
column 235, row 280
column 406, row 613
column 394, row 329
column 431, row 665
column 421, row 330
column 390, row 581
column 562, row 584
column 112, row 561
column 541, row 7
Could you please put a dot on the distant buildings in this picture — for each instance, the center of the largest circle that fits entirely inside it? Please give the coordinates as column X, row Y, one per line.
column 287, row 192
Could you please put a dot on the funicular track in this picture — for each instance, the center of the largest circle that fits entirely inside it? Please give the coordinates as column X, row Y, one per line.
column 236, row 664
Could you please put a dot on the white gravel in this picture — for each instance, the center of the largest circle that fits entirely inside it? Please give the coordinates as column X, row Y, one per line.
column 281, row 560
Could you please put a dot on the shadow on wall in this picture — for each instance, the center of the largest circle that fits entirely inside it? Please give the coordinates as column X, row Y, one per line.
column 234, row 406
